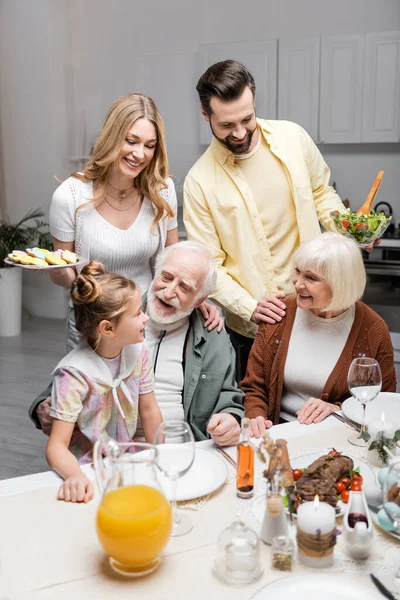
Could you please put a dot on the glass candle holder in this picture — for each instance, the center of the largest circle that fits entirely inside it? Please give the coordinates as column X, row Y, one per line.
column 238, row 555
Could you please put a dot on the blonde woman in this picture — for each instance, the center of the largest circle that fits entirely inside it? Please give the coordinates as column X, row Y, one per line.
column 121, row 209
column 298, row 368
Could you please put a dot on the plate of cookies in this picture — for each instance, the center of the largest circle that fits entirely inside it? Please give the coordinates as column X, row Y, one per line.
column 40, row 259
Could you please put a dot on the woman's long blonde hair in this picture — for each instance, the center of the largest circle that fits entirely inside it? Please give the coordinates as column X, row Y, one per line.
column 119, row 119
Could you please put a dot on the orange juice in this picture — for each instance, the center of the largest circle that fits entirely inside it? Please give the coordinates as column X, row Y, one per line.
column 134, row 524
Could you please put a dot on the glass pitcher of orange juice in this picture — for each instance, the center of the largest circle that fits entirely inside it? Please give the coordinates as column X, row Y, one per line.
column 134, row 519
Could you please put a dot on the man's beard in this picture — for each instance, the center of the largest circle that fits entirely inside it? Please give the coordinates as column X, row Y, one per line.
column 157, row 315
column 242, row 148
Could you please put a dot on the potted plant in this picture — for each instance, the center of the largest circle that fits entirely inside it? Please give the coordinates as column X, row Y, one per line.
column 29, row 231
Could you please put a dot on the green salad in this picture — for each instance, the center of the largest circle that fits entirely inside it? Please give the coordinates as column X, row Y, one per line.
column 365, row 229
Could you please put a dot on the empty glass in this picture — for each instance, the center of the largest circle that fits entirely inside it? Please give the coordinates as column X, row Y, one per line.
column 176, row 449
column 364, row 381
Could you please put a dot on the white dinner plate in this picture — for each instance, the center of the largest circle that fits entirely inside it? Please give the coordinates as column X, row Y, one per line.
column 315, row 586
column 385, row 402
column 80, row 263
column 304, row 461
column 207, row 473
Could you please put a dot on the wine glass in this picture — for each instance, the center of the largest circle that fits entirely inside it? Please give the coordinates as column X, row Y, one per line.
column 175, row 444
column 364, row 381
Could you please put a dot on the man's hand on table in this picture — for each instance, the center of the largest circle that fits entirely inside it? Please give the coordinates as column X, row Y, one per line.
column 224, row 429
column 315, row 410
column 76, row 488
column 269, row 310
column 43, row 414
column 258, row 426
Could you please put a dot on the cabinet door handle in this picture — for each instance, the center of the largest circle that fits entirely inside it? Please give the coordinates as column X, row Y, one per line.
column 322, row 140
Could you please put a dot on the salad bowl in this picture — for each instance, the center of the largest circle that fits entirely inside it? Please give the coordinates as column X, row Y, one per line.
column 364, row 229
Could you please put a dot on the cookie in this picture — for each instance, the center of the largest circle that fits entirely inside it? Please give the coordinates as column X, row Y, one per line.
column 38, row 262
column 54, row 260
column 69, row 257
column 36, row 253
column 14, row 257
column 25, row 260
column 58, row 253
column 18, row 252
column 44, row 250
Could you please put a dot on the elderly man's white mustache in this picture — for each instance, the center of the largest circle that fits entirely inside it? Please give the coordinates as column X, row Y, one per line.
column 174, row 302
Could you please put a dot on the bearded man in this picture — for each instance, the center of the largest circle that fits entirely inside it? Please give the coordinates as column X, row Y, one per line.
column 194, row 368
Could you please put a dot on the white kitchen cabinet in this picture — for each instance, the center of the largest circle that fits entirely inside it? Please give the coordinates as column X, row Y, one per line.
column 381, row 98
column 298, row 83
column 341, row 92
column 261, row 59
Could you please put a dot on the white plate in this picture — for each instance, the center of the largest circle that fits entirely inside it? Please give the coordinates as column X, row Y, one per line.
column 374, row 517
column 207, row 473
column 304, row 461
column 385, row 402
column 315, row 586
column 80, row 263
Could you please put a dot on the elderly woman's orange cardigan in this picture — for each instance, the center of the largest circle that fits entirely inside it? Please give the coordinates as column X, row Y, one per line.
column 263, row 384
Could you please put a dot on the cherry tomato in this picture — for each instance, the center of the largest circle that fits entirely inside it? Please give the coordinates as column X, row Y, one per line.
column 346, row 482
column 356, row 486
column 361, row 226
column 340, row 487
column 297, row 473
column 345, row 496
column 333, row 451
column 357, row 477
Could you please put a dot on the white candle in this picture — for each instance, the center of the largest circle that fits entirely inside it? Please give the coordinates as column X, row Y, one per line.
column 316, row 518
column 375, row 428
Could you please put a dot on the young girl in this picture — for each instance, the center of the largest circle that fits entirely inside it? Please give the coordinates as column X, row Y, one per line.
column 105, row 382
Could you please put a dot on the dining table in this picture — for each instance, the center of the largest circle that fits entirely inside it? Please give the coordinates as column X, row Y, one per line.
column 49, row 548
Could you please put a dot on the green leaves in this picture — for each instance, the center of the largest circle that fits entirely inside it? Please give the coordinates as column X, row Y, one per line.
column 380, row 441
column 30, row 230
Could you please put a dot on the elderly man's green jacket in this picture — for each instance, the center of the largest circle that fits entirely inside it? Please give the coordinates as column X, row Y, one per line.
column 209, row 381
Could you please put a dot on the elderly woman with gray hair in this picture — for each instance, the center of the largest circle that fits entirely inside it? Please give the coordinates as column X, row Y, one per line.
column 298, row 367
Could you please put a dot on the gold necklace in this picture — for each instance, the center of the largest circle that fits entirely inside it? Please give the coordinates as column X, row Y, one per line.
column 121, row 193
column 121, row 209
column 119, row 199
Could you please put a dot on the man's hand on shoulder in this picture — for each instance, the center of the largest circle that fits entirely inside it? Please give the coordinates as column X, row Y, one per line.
column 269, row 310
column 224, row 429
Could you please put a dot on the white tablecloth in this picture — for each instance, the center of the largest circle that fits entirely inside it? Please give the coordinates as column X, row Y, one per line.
column 49, row 549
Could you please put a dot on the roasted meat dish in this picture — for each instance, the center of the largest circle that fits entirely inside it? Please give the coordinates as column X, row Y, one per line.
column 321, row 477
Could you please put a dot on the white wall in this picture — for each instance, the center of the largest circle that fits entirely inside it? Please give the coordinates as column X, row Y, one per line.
column 63, row 62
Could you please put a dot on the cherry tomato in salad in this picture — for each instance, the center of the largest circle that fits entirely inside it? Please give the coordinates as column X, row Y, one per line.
column 346, row 223
column 340, row 487
column 361, row 226
column 346, row 482
column 297, row 473
column 357, row 477
column 345, row 496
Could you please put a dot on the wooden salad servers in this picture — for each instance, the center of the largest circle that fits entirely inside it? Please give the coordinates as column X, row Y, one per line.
column 366, row 207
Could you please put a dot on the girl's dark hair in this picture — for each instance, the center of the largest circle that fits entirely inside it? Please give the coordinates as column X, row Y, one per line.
column 226, row 80
column 99, row 296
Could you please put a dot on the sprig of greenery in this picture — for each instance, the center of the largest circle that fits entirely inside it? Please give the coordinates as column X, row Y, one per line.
column 382, row 440
column 30, row 230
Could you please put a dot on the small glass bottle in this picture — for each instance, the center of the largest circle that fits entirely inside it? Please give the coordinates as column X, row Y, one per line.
column 282, row 553
column 245, row 463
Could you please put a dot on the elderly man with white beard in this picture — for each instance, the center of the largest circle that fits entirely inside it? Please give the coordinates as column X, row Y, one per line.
column 194, row 368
